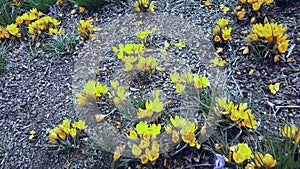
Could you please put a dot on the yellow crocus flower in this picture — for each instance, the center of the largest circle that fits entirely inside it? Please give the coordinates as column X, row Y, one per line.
column 13, row 30
column 282, row 47
column 141, row 128
column 136, row 150
column 179, row 87
column 241, row 153
column 144, row 159
column 226, row 33
column 144, row 144
column 256, row 6
column 145, row 3
column 137, row 6
column 217, row 38
column 216, row 29
column 151, row 6
column 222, row 22
column 80, row 125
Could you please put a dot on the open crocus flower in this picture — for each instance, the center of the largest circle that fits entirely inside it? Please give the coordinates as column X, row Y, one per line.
column 220, row 162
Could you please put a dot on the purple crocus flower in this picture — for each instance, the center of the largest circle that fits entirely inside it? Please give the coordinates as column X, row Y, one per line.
column 220, row 162
column 52, row 11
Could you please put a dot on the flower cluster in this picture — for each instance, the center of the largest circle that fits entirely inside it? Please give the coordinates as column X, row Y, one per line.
column 45, row 23
column 272, row 34
column 184, row 128
column 199, row 82
column 236, row 112
column 86, row 28
column 145, row 147
column 13, row 29
column 154, row 106
column 242, row 152
column 27, row 18
column 118, row 92
column 221, row 32
column 144, row 6
column 63, row 134
column 92, row 90
column 131, row 55
column 251, row 7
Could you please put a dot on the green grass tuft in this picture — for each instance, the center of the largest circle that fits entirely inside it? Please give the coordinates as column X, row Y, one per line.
column 8, row 12
column 59, row 45
column 41, row 5
column 93, row 4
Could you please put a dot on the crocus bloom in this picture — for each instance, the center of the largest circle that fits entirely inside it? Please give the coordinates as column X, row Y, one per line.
column 241, row 153
column 220, row 162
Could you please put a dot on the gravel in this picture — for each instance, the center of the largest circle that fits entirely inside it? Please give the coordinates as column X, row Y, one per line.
column 37, row 92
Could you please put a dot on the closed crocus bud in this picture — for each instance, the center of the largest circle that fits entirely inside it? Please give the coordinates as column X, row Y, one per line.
column 276, row 58
column 269, row 161
column 238, row 8
column 253, row 20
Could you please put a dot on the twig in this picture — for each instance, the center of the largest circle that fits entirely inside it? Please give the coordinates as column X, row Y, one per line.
column 238, row 87
column 290, row 50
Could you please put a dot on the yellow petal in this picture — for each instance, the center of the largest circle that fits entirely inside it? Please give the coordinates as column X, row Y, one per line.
column 174, row 78
column 117, row 155
column 31, row 137
column 81, row 9
column 207, row 3
column 180, row 44
column 179, row 87
column 133, row 135
column 251, row 71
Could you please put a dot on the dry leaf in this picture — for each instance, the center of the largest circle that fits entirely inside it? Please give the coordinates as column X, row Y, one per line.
column 219, row 50
column 73, row 11
column 253, row 20
column 38, row 44
column 289, row 60
column 100, row 117
column 246, row 50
